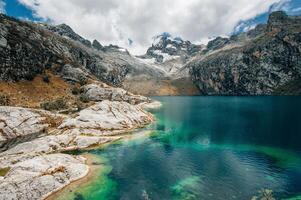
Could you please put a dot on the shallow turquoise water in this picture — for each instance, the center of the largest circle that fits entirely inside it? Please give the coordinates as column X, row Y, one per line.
column 207, row 148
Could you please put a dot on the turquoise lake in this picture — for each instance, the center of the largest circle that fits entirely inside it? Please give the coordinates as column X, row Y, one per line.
column 211, row 148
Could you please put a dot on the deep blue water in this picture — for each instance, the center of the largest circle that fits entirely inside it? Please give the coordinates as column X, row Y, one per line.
column 207, row 148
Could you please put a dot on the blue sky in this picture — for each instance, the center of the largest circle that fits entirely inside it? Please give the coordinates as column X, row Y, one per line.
column 18, row 10
column 115, row 21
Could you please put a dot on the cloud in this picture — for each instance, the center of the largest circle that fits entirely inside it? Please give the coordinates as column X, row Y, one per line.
column 2, row 6
column 114, row 21
column 296, row 9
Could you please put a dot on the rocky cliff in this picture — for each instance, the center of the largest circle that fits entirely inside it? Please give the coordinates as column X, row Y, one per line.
column 263, row 61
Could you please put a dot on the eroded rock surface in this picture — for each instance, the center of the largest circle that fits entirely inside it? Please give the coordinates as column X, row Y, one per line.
column 35, row 168
column 40, row 176
column 19, row 122
column 108, row 118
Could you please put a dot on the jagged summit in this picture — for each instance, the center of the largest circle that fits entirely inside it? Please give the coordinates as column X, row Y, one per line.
column 166, row 48
column 66, row 31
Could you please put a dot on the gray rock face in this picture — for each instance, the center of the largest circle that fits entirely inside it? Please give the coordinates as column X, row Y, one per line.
column 66, row 31
column 97, row 45
column 73, row 74
column 278, row 18
column 255, row 65
column 217, row 43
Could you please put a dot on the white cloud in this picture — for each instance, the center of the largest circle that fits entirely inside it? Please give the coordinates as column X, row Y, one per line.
column 296, row 9
column 114, row 21
column 2, row 6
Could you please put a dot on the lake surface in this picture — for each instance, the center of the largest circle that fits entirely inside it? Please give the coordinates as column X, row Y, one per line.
column 218, row 148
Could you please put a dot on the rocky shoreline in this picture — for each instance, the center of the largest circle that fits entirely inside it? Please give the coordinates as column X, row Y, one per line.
column 32, row 164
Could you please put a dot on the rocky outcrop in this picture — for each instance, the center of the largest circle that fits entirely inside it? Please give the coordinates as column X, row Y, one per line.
column 217, row 43
column 19, row 123
column 66, row 31
column 38, row 177
column 254, row 63
column 97, row 45
column 34, row 168
column 77, row 75
column 108, row 118
column 96, row 92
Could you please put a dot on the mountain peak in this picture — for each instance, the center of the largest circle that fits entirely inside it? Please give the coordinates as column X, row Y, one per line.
column 66, row 31
column 277, row 18
column 165, row 47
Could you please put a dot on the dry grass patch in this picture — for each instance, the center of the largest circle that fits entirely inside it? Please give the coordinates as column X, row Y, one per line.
column 32, row 93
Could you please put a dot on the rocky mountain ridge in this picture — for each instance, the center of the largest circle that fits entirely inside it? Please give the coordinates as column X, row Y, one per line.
column 29, row 49
column 166, row 47
column 171, row 66
column 262, row 61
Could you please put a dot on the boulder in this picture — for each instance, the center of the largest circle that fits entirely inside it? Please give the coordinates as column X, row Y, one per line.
column 95, row 92
column 73, row 74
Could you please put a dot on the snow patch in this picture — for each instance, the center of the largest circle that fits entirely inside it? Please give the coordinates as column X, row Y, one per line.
column 170, row 46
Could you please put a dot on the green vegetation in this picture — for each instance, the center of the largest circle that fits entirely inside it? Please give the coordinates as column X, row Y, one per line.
column 83, row 80
column 4, row 100
column 46, row 79
column 76, row 90
column 84, row 98
column 4, row 171
column 58, row 104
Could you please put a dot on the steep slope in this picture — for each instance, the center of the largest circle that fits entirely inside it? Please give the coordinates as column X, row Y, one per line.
column 263, row 61
column 28, row 49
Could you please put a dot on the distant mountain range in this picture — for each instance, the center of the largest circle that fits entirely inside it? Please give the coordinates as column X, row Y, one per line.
column 263, row 61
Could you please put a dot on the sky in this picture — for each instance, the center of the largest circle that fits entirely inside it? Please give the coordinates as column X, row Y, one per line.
column 134, row 23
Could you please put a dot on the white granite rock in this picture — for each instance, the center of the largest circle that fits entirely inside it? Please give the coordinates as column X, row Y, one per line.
column 36, row 167
column 150, row 106
column 108, row 116
column 40, row 176
column 17, row 122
